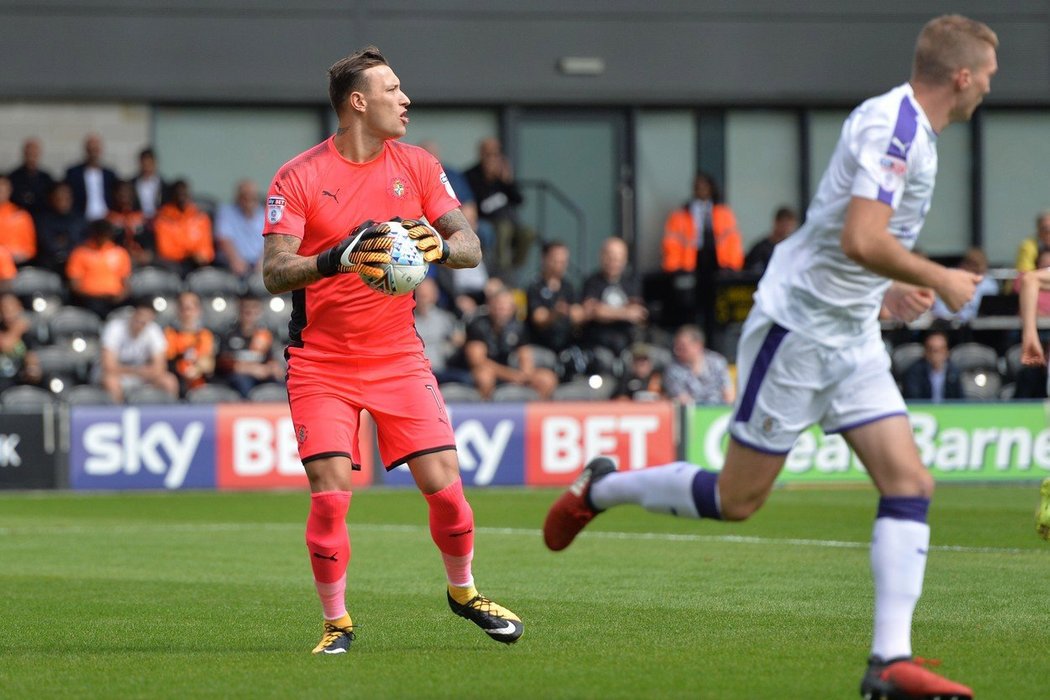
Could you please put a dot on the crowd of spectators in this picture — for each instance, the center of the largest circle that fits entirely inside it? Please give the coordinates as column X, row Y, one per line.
column 576, row 329
column 72, row 313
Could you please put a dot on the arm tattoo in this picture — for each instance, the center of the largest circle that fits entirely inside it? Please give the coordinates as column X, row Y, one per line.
column 283, row 268
column 464, row 246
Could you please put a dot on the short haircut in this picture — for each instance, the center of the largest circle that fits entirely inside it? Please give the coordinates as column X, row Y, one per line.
column 784, row 212
column 147, row 153
column 716, row 191
column 948, row 43
column 548, row 246
column 347, row 74
column 691, row 331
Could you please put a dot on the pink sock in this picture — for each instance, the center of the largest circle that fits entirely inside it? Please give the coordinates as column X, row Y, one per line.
column 452, row 527
column 328, row 542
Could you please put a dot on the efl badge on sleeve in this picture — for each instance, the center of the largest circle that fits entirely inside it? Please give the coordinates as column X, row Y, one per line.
column 274, row 209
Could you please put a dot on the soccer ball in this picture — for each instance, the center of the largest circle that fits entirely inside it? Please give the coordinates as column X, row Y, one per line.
column 406, row 269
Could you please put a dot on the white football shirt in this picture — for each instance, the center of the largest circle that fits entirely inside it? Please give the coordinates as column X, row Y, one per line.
column 887, row 151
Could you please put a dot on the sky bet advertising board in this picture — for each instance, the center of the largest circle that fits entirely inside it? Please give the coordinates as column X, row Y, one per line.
column 142, row 447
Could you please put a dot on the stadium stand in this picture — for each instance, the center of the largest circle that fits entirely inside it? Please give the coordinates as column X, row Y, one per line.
column 143, row 395
column 87, row 395
column 974, row 356
column 213, row 393
column 276, row 393
column 26, row 396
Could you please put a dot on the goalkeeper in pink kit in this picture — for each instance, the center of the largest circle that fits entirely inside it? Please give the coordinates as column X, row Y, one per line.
column 352, row 348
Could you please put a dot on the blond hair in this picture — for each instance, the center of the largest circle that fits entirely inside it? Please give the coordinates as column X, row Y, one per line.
column 948, row 43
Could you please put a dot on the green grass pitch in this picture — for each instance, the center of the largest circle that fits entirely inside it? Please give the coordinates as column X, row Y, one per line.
column 208, row 595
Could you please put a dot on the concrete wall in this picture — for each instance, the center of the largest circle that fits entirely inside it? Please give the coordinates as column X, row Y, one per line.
column 498, row 51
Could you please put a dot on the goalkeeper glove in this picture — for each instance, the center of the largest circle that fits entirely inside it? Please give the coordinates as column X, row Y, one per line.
column 366, row 248
column 434, row 248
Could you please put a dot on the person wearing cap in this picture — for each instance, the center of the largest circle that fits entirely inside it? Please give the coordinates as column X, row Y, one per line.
column 641, row 381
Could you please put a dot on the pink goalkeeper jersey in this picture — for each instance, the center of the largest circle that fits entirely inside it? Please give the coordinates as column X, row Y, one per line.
column 320, row 197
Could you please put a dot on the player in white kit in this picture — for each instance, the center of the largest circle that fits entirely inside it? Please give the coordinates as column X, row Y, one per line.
column 811, row 351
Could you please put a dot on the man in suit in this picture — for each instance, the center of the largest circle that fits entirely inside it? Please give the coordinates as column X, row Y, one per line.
column 933, row 377
column 92, row 183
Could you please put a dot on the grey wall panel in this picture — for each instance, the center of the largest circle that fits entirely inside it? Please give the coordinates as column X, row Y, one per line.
column 470, row 51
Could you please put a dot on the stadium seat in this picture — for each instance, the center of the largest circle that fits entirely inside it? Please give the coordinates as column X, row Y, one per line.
column 87, row 395
column 256, row 287
column 26, row 396
column 581, row 390
column 904, row 356
column 270, row 392
column 72, row 322
column 214, row 282
column 974, row 356
column 1006, row 393
column 604, row 361
column 454, row 392
column 981, row 384
column 146, row 395
column 213, row 393
column 1013, row 361
column 153, row 281
column 277, row 311
column 64, row 361
column 219, row 313
column 514, row 392
column 41, row 291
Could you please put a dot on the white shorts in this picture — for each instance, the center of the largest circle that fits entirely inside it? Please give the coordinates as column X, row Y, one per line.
column 788, row 382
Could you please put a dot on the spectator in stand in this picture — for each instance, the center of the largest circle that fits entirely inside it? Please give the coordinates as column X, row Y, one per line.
column 697, row 375
column 977, row 262
column 130, row 226
column 702, row 237
column 150, row 189
column 785, row 221
column 442, row 335
column 183, row 232
column 492, row 183
column 98, row 270
column 8, row 271
column 1030, row 248
column 491, row 339
column 933, row 377
column 91, row 182
column 1042, row 296
column 246, row 358
column 642, row 381
column 612, row 301
column 134, row 353
column 554, row 310
column 1031, row 382
column 17, row 231
column 13, row 348
column 191, row 347
column 29, row 182
column 238, row 229
column 59, row 231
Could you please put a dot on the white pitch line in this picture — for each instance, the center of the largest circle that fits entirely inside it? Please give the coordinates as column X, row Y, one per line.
column 506, row 531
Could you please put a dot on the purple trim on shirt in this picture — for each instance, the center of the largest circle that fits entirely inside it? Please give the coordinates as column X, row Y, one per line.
column 900, row 143
column 759, row 448
column 904, row 508
column 764, row 358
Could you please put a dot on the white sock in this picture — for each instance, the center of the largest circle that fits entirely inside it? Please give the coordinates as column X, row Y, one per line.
column 667, row 489
column 898, row 562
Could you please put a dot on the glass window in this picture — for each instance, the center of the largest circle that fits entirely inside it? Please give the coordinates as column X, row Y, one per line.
column 214, row 147
column 665, row 162
column 1016, row 154
column 761, row 168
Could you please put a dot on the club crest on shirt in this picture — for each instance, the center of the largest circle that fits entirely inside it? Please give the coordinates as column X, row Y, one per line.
column 397, row 187
column 274, row 209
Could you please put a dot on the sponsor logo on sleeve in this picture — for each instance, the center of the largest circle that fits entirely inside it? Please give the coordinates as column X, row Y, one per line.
column 274, row 209
column 891, row 172
column 448, row 185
